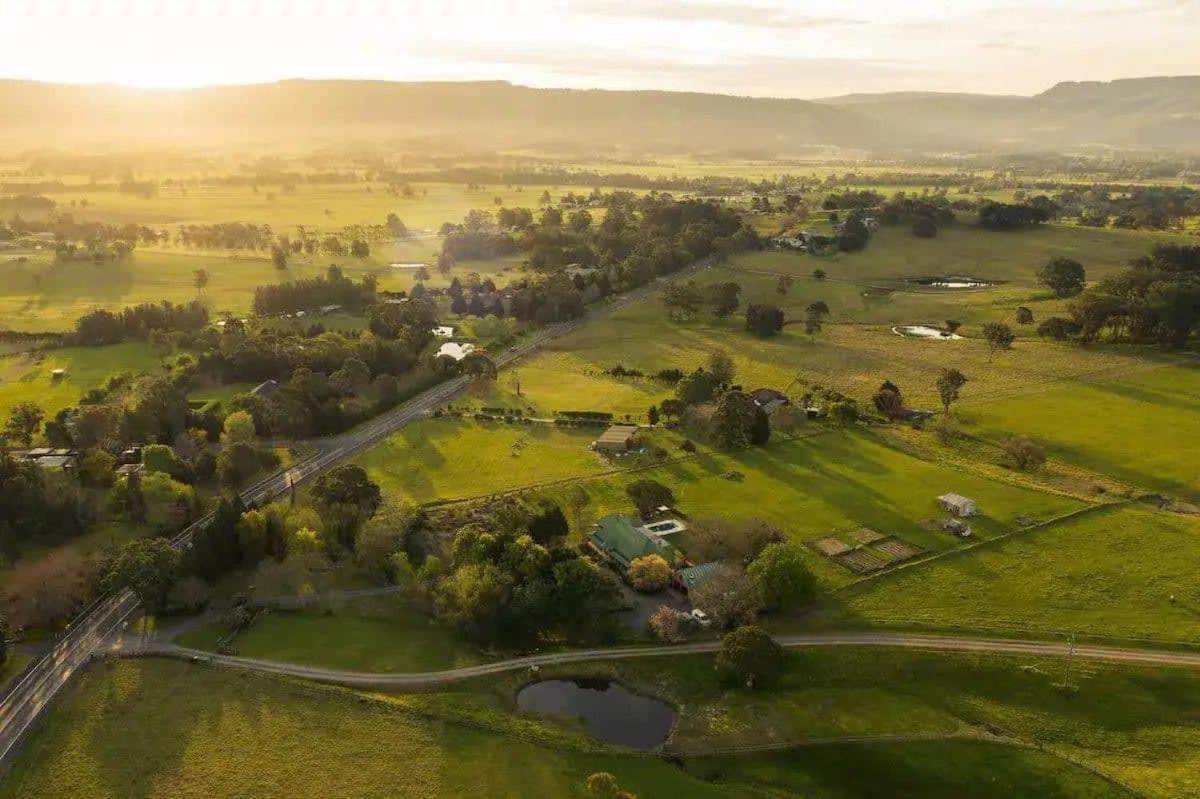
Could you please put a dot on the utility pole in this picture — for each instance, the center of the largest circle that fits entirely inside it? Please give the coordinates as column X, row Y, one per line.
column 1070, row 661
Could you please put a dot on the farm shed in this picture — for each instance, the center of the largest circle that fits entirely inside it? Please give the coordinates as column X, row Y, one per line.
column 616, row 438
column 958, row 504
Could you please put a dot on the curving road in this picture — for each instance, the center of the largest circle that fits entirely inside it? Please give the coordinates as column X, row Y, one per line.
column 96, row 625
column 934, row 643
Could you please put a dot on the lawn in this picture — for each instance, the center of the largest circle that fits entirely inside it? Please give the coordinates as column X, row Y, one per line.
column 366, row 634
column 1110, row 573
column 1132, row 428
column 27, row 376
column 837, row 481
column 194, row 731
column 450, row 458
column 12, row 667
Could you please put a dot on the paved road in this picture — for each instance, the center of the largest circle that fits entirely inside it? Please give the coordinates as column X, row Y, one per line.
column 937, row 643
column 98, row 623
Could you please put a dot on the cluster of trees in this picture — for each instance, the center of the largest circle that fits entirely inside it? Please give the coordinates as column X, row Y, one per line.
column 226, row 236
column 100, row 327
column 38, row 506
column 333, row 288
column 924, row 212
column 1156, row 300
column 847, row 200
column 508, row 577
column 1130, row 206
column 684, row 300
column 639, row 238
column 713, row 409
column 759, row 570
column 1014, row 216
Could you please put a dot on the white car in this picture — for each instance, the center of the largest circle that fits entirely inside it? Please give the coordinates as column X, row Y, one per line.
column 699, row 617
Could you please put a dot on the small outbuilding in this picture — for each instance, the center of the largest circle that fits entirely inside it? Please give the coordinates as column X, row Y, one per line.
column 616, row 438
column 57, row 374
column 958, row 505
column 265, row 389
column 687, row 579
column 769, row 399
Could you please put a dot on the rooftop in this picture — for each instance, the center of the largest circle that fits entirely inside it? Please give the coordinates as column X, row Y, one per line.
column 624, row 539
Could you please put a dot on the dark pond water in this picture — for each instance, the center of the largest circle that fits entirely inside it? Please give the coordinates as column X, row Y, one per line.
column 610, row 712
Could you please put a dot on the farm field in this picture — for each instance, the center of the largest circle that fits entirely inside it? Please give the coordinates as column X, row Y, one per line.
column 367, row 634
column 1110, row 573
column 203, row 730
column 27, row 376
column 833, row 482
column 894, row 254
column 451, row 458
column 1130, row 427
column 41, row 295
column 321, row 206
column 852, row 358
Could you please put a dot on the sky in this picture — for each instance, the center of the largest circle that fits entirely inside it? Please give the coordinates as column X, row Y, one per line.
column 776, row 48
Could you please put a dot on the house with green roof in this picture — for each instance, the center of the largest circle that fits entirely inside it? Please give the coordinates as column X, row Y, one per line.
column 622, row 539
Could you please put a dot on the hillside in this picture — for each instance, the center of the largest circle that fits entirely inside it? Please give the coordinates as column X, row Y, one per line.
column 1144, row 114
column 1140, row 113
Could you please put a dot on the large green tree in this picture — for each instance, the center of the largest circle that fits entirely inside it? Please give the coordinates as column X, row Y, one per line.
column 146, row 566
column 750, row 657
column 782, row 575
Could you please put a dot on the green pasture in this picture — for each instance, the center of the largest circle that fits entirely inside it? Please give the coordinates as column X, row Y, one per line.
column 1142, row 428
column 202, row 731
column 894, row 254
column 41, row 294
column 853, row 358
column 325, row 207
column 27, row 376
column 365, row 634
column 1129, row 572
column 451, row 458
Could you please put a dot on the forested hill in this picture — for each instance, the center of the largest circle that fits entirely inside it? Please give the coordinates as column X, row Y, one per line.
column 1150, row 113
column 1139, row 113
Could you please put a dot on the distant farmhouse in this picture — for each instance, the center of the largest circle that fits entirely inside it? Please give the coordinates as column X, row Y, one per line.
column 769, row 400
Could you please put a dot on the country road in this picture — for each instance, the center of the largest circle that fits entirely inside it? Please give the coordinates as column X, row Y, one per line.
column 933, row 643
column 95, row 626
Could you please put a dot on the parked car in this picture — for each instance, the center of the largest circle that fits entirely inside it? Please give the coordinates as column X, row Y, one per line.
column 699, row 617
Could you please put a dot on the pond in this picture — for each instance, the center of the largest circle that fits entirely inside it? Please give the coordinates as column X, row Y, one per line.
column 925, row 331
column 951, row 282
column 610, row 712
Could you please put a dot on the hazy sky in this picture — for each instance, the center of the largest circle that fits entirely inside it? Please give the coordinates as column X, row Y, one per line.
column 781, row 48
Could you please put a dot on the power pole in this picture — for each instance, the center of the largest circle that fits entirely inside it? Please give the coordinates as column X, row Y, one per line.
column 1070, row 661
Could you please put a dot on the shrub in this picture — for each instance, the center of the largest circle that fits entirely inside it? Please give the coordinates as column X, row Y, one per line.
column 649, row 573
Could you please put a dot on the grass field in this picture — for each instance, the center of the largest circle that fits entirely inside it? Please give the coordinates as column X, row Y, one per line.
column 453, row 458
column 27, row 376
column 1110, row 573
column 367, row 634
column 835, row 482
column 203, row 732
column 42, row 295
column 324, row 207
column 1132, row 428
